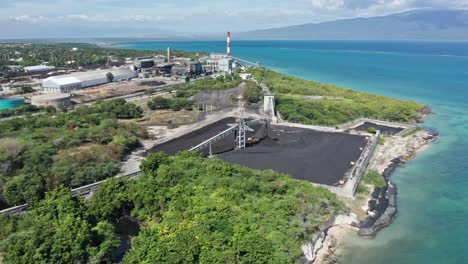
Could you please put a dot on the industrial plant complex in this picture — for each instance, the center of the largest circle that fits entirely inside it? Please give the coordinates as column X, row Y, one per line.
column 49, row 82
column 255, row 137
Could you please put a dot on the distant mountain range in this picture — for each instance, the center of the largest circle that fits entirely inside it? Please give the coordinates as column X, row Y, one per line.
column 411, row 25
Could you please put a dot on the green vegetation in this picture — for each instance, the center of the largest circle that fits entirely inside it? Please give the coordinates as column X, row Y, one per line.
column 381, row 140
column 372, row 130
column 337, row 105
column 374, row 178
column 207, row 84
column 24, row 109
column 175, row 104
column 208, row 211
column 25, row 90
column 42, row 152
column 253, row 93
column 58, row 230
column 59, row 54
column 193, row 210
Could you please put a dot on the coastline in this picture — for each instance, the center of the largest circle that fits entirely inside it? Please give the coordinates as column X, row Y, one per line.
column 386, row 160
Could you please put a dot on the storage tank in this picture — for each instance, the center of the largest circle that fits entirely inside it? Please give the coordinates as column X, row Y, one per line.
column 51, row 99
column 10, row 103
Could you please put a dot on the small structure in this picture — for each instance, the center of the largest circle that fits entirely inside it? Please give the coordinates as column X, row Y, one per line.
column 38, row 69
column 54, row 100
column 269, row 104
column 246, row 76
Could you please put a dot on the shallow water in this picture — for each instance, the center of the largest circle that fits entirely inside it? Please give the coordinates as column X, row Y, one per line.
column 431, row 225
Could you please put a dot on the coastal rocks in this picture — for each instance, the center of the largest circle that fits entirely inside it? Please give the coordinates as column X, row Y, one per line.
column 310, row 249
column 426, row 110
column 323, row 241
column 380, row 217
column 392, row 167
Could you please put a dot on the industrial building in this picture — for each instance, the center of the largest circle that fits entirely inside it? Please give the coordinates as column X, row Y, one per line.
column 144, row 62
column 80, row 80
column 218, row 62
column 190, row 68
column 54, row 100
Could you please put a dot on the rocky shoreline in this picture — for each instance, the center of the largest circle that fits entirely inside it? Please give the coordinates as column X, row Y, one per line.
column 382, row 205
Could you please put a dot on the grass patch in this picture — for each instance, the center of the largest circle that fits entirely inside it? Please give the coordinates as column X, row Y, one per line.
column 373, row 178
column 381, row 141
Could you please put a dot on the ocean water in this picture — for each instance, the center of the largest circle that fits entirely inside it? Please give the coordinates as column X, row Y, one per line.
column 432, row 221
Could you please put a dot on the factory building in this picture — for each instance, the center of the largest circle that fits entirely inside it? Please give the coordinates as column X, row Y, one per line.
column 179, row 69
column 218, row 62
column 144, row 62
column 80, row 80
column 190, row 68
column 54, row 100
column 38, row 69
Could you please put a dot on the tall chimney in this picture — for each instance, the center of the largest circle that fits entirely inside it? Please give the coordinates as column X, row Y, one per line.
column 229, row 44
column 168, row 54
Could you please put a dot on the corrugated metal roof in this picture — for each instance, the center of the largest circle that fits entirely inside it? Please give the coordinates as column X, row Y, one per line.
column 78, row 77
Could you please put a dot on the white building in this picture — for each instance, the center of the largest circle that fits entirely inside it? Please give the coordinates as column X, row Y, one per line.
column 219, row 63
column 38, row 68
column 80, row 80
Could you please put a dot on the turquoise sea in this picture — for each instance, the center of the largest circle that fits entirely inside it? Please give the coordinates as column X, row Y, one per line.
column 432, row 221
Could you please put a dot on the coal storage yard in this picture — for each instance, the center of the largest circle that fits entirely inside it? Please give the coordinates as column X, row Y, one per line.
column 318, row 157
column 389, row 130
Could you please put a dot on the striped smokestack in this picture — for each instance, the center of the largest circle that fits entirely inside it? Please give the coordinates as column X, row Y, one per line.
column 229, row 44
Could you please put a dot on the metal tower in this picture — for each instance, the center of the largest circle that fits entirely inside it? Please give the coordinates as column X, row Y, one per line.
column 242, row 127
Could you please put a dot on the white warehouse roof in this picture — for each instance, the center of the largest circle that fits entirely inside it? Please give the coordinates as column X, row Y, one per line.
column 81, row 80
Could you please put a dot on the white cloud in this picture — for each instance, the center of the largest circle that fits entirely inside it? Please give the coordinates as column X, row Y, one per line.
column 27, row 19
column 201, row 16
column 328, row 4
column 84, row 18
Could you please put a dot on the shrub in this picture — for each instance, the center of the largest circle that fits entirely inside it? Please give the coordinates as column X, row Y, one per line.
column 372, row 130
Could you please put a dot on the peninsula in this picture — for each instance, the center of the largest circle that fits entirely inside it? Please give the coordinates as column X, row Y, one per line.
column 215, row 160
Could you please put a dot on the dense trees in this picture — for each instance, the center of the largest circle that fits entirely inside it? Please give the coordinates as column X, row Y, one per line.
column 208, row 211
column 58, row 230
column 73, row 149
column 193, row 210
column 61, row 55
column 175, row 104
column 315, row 103
column 25, row 89
column 252, row 93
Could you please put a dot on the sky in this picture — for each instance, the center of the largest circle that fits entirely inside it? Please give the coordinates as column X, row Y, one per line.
column 156, row 18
